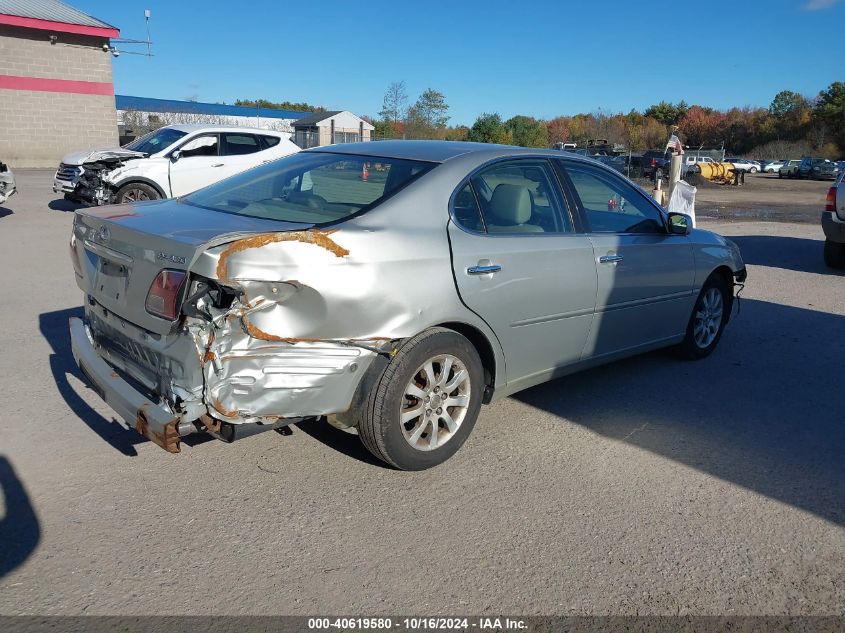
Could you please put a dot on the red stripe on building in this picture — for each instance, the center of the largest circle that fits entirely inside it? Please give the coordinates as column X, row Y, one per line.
column 11, row 82
column 60, row 27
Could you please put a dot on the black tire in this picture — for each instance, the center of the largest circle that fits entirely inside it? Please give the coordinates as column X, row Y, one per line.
column 690, row 348
column 834, row 254
column 753, row 170
column 380, row 428
column 135, row 192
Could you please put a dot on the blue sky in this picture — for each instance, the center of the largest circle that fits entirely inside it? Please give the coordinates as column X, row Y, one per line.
column 539, row 58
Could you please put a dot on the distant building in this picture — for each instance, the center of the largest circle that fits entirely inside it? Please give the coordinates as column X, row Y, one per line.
column 137, row 115
column 328, row 128
column 56, row 87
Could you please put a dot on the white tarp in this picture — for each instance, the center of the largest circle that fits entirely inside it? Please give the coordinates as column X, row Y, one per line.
column 683, row 199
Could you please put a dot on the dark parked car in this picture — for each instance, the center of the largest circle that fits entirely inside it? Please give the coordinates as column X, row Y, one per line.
column 651, row 162
column 816, row 168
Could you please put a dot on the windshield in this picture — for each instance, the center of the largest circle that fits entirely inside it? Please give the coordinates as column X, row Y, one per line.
column 155, row 141
column 311, row 187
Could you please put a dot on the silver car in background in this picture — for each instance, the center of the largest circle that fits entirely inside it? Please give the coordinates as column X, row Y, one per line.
column 390, row 287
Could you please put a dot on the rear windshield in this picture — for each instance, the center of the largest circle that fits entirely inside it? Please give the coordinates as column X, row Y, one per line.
column 311, row 187
column 156, row 141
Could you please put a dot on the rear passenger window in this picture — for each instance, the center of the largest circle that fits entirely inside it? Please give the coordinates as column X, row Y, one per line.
column 467, row 213
column 520, row 196
column 610, row 204
column 238, row 144
column 269, row 141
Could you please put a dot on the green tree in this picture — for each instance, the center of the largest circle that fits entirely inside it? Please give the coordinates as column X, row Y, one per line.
column 786, row 103
column 488, row 128
column 427, row 118
column 667, row 113
column 283, row 105
column 457, row 133
column 830, row 111
column 792, row 114
column 527, row 131
column 383, row 129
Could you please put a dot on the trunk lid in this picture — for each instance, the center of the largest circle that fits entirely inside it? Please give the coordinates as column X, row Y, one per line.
column 121, row 249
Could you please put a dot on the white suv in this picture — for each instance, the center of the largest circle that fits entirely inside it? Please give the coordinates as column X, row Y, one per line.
column 169, row 162
column 691, row 163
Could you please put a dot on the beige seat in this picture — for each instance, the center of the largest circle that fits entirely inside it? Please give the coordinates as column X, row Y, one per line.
column 510, row 208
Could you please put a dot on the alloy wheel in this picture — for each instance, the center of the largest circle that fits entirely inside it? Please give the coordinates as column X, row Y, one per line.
column 435, row 402
column 134, row 195
column 708, row 317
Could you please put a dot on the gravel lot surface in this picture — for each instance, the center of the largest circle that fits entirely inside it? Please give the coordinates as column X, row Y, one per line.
column 651, row 486
column 764, row 197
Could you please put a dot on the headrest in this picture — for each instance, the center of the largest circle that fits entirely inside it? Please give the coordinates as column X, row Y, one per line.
column 510, row 205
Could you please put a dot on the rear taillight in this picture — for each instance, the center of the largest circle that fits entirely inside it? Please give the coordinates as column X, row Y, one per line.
column 163, row 297
column 830, row 204
column 653, row 162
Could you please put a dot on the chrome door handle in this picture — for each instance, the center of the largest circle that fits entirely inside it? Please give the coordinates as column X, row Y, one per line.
column 610, row 259
column 218, row 165
column 483, row 270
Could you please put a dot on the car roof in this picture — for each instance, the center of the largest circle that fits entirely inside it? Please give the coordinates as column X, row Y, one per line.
column 436, row 151
column 199, row 127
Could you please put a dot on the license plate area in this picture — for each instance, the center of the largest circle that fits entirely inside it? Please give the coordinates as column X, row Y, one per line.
column 111, row 281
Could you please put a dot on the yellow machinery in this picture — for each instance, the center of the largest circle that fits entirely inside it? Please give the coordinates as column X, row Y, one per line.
column 718, row 172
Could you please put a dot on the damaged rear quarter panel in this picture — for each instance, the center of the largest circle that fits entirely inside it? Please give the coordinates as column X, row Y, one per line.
column 314, row 304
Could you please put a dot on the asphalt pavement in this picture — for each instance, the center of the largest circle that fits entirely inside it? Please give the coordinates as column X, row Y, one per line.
column 651, row 486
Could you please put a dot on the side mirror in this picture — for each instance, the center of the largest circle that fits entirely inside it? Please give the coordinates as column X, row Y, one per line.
column 175, row 155
column 679, row 224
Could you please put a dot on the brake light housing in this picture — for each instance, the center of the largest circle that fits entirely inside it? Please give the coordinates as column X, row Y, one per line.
column 830, row 203
column 164, row 294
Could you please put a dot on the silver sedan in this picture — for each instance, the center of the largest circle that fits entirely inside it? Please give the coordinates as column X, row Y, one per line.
column 391, row 288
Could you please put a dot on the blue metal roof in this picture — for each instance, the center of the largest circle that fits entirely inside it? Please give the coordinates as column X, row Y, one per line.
column 147, row 104
column 52, row 10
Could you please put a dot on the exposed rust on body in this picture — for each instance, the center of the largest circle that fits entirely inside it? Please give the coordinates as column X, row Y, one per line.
column 168, row 439
column 311, row 236
column 218, row 406
column 256, row 332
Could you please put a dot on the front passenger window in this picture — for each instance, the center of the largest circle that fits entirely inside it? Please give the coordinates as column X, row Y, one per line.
column 200, row 146
column 610, row 204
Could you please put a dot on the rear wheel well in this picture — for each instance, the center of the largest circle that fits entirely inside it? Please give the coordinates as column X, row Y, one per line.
column 485, row 351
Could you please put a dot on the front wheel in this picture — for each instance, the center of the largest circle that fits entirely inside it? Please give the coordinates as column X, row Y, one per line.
column 708, row 319
column 426, row 402
column 135, row 192
column 753, row 170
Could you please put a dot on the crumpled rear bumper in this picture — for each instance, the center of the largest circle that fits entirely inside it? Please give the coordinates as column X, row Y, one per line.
column 148, row 418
